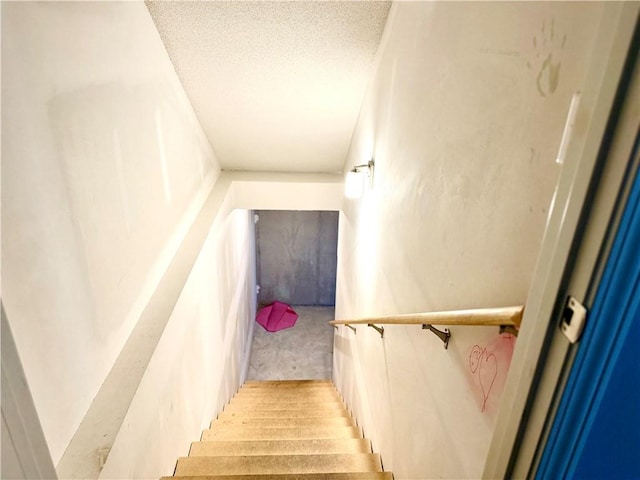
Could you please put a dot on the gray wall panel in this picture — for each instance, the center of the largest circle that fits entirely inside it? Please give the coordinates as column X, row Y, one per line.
column 296, row 256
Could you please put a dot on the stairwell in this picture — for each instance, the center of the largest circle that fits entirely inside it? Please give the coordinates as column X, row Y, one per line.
column 279, row 430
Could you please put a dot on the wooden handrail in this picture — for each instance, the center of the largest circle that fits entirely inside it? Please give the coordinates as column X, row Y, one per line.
column 505, row 316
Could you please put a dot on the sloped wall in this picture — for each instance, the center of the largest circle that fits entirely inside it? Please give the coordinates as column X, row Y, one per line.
column 463, row 118
column 104, row 166
column 201, row 358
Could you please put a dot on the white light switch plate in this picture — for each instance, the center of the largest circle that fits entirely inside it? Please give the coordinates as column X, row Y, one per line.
column 573, row 319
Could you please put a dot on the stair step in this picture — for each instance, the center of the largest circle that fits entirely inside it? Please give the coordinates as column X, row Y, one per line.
column 313, row 395
column 284, row 422
column 320, row 393
column 283, row 387
column 262, row 403
column 286, row 383
column 292, row 476
column 266, row 404
column 288, row 392
column 280, row 447
column 267, row 464
column 285, row 433
column 340, row 412
column 282, row 430
column 288, row 388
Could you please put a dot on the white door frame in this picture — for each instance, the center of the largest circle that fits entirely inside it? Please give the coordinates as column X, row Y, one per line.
column 541, row 350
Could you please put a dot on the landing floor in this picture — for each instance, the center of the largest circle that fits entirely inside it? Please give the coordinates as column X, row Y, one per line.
column 303, row 351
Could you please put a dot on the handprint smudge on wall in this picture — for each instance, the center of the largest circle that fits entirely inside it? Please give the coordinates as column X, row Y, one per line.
column 548, row 48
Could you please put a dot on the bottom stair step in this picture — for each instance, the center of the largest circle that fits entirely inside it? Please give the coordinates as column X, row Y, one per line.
column 270, row 464
column 292, row 476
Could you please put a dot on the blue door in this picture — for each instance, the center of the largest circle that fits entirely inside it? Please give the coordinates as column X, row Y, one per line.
column 596, row 432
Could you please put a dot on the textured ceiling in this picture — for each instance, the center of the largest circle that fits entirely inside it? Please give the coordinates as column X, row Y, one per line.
column 277, row 86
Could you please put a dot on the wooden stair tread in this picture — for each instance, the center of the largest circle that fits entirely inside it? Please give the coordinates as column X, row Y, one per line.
column 320, row 394
column 285, row 413
column 249, row 422
column 285, row 383
column 289, row 388
column 266, row 464
column 282, row 430
column 282, row 403
column 316, row 397
column 288, row 398
column 284, row 406
column 292, row 476
column 275, row 433
column 280, row 447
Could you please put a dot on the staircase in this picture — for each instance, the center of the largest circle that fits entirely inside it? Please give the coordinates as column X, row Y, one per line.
column 282, row 430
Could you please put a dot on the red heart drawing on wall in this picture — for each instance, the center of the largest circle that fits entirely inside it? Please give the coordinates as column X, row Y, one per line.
column 487, row 373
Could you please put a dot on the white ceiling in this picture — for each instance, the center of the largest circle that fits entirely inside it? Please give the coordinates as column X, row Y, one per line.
column 277, row 86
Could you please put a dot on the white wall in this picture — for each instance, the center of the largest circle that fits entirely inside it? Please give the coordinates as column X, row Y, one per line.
column 464, row 118
column 201, row 358
column 104, row 165
column 286, row 191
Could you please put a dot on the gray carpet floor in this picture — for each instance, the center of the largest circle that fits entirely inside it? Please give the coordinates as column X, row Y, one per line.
column 301, row 352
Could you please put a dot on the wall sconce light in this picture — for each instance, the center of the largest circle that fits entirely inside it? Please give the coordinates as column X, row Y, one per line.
column 354, row 184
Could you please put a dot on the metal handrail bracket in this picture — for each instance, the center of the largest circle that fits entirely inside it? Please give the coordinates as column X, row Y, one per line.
column 380, row 330
column 444, row 336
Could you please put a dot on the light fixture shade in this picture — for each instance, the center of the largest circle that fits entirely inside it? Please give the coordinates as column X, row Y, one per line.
column 354, row 184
